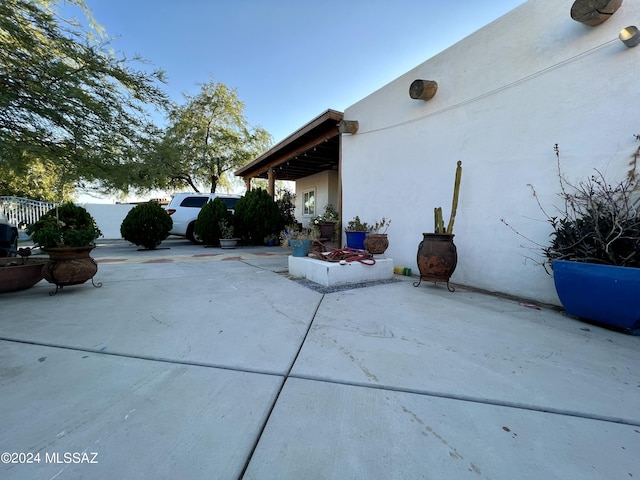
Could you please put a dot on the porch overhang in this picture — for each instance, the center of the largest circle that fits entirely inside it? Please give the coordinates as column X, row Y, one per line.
column 312, row 149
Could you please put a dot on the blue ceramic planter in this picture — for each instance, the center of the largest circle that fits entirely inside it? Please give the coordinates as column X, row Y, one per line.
column 603, row 294
column 355, row 239
column 300, row 247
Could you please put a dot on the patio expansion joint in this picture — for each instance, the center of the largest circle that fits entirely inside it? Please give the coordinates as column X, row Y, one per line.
column 277, row 396
column 477, row 400
column 142, row 357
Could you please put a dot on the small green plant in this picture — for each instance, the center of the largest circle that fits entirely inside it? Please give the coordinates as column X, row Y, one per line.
column 66, row 225
column 380, row 226
column 330, row 215
column 226, row 229
column 207, row 225
column 147, row 224
column 356, row 225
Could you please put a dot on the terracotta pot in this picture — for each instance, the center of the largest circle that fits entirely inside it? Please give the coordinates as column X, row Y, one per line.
column 376, row 243
column 69, row 265
column 437, row 257
column 16, row 274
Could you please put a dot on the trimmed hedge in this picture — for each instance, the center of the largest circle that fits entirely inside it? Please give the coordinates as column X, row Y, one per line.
column 147, row 224
column 207, row 225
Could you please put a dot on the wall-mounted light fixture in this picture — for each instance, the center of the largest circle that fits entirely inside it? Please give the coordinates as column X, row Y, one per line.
column 423, row 89
column 348, row 126
column 630, row 36
column 594, row 12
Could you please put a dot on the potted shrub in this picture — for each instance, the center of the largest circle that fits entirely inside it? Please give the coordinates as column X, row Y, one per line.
column 376, row 241
column 326, row 223
column 356, row 231
column 67, row 233
column 299, row 239
column 437, row 254
column 227, row 240
column 146, row 224
column 595, row 249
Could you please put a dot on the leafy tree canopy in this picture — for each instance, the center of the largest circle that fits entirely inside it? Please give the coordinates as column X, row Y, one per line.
column 207, row 139
column 67, row 103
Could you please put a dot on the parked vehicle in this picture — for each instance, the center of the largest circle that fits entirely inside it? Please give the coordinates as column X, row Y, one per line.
column 8, row 237
column 185, row 207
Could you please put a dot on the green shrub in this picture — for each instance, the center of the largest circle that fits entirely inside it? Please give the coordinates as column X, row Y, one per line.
column 257, row 216
column 147, row 224
column 207, row 225
column 286, row 202
column 66, row 225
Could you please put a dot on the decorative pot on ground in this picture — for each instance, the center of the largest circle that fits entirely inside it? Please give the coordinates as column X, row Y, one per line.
column 228, row 242
column 376, row 243
column 604, row 294
column 300, row 247
column 18, row 274
column 70, row 266
column 437, row 258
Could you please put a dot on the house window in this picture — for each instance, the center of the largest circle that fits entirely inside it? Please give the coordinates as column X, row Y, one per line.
column 309, row 205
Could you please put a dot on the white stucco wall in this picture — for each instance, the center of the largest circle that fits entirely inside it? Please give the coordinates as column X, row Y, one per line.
column 108, row 217
column 506, row 95
column 326, row 188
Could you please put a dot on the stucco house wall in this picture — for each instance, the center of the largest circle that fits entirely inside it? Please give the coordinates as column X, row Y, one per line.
column 325, row 185
column 506, row 95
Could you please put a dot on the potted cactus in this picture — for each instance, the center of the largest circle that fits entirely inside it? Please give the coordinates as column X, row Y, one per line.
column 437, row 254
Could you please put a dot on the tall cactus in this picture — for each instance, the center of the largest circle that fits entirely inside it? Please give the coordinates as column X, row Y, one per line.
column 438, row 221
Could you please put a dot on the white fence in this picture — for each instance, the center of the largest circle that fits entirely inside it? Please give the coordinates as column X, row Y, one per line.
column 23, row 211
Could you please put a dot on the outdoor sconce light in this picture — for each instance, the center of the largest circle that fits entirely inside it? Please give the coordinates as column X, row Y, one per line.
column 630, row 36
column 594, row 12
column 423, row 89
column 348, row 126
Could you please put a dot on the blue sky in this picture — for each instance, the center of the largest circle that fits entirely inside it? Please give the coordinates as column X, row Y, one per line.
column 289, row 60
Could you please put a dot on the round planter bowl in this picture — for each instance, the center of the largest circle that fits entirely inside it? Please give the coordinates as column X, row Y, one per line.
column 69, row 266
column 604, row 294
column 376, row 243
column 16, row 275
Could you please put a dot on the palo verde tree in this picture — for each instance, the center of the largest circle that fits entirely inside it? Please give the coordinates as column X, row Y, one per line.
column 208, row 138
column 67, row 101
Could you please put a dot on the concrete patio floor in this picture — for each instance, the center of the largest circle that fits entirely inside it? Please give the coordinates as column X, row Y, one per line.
column 202, row 363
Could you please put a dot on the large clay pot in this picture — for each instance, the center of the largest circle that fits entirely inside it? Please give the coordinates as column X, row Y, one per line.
column 69, row 266
column 376, row 243
column 437, row 257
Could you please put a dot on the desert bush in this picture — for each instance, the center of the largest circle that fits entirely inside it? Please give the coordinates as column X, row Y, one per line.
column 147, row 224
